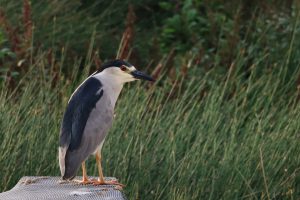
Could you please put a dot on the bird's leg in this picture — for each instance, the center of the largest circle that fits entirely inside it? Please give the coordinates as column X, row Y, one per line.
column 101, row 180
column 84, row 174
column 98, row 160
column 85, row 179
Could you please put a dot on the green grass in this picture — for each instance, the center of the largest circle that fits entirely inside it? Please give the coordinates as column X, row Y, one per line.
column 234, row 136
column 220, row 132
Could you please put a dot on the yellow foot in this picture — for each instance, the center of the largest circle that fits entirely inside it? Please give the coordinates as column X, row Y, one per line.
column 111, row 182
column 84, row 181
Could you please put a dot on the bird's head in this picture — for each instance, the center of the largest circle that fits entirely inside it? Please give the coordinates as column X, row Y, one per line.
column 124, row 71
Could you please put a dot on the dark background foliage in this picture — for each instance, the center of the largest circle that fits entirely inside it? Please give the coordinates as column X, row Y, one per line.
column 220, row 122
column 211, row 33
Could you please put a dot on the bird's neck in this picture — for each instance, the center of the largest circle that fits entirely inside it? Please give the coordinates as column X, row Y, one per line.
column 112, row 86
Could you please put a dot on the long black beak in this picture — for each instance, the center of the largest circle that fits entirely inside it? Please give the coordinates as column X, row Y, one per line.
column 141, row 75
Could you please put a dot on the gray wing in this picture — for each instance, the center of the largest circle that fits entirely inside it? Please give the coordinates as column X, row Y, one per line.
column 79, row 108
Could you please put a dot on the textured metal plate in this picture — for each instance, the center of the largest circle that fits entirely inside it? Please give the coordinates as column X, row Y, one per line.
column 44, row 187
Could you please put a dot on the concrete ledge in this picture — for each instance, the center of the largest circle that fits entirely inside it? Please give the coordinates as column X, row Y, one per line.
column 46, row 187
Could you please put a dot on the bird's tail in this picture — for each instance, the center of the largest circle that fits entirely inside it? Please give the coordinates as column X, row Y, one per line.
column 68, row 168
column 61, row 156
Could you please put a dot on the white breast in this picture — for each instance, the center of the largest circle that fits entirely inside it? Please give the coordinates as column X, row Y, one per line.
column 101, row 117
column 98, row 124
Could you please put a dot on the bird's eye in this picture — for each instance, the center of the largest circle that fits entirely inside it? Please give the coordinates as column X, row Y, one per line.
column 123, row 68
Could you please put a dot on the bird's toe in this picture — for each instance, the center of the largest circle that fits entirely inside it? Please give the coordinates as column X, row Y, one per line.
column 110, row 182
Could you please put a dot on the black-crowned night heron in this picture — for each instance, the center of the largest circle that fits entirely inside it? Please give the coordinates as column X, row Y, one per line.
column 89, row 115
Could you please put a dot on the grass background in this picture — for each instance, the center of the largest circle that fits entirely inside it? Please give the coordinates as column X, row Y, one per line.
column 221, row 121
column 165, row 145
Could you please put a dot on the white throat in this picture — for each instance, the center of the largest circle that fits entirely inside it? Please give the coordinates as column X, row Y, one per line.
column 111, row 84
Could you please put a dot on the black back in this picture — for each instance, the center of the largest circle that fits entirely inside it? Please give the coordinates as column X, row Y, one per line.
column 77, row 113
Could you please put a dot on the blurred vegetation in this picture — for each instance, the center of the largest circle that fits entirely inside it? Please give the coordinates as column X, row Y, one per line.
column 222, row 120
column 173, row 33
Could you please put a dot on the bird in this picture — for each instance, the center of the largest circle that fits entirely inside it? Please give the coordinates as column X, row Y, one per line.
column 88, row 117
